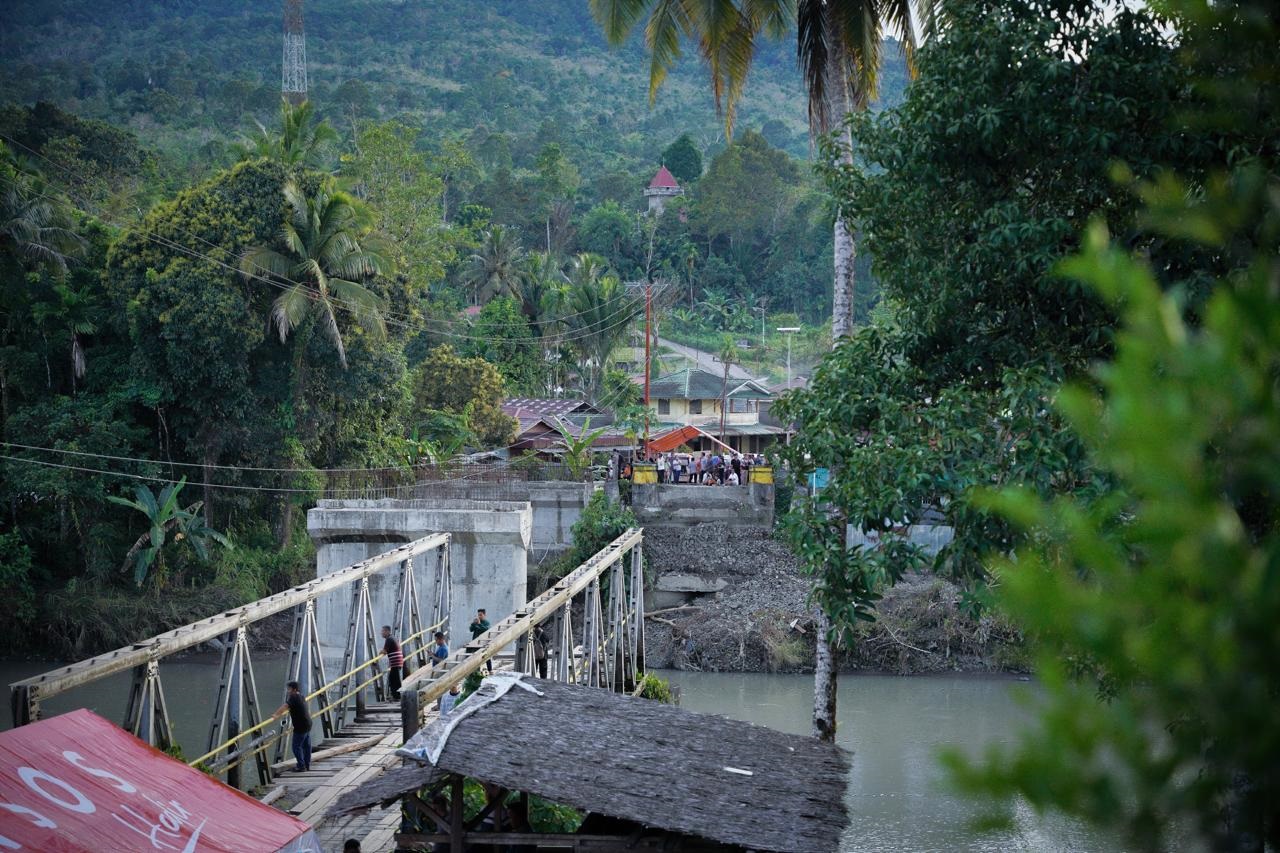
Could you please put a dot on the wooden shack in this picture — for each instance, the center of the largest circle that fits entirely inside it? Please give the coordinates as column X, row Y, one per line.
column 648, row 776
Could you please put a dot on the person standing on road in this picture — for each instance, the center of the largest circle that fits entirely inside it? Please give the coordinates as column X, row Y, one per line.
column 478, row 626
column 296, row 704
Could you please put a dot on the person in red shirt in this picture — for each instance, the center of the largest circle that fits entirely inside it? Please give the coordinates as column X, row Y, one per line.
column 395, row 661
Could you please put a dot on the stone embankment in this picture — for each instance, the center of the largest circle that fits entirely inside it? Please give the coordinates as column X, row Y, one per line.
column 733, row 599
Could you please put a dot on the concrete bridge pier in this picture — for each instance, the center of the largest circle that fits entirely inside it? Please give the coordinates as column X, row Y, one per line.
column 488, row 557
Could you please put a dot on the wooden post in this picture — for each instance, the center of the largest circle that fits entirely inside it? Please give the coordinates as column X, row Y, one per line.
column 410, row 713
column 455, row 816
column 25, row 708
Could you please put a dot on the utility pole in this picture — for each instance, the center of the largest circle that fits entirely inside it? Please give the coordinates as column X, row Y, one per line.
column 648, row 319
column 293, row 72
column 788, row 331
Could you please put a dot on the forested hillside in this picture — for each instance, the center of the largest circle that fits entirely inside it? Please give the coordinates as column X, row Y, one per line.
column 258, row 294
column 534, row 122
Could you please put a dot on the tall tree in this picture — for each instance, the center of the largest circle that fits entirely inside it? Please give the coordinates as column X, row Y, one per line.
column 598, row 313
column 838, row 45
column 301, row 142
column 404, row 194
column 728, row 355
column 496, row 267
column 323, row 266
column 683, row 159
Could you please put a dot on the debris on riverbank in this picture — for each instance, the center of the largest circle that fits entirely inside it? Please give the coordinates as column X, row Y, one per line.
column 760, row 620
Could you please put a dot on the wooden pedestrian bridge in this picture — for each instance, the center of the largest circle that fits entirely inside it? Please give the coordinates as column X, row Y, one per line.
column 595, row 616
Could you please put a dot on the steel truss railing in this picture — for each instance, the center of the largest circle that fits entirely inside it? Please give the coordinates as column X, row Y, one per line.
column 610, row 655
column 240, row 729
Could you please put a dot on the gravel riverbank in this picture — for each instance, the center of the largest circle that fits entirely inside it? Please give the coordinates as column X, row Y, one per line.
column 761, row 622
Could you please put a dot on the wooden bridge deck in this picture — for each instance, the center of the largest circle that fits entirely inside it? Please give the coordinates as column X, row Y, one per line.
column 310, row 795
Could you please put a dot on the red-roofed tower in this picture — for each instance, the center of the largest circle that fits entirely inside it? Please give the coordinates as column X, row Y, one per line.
column 662, row 187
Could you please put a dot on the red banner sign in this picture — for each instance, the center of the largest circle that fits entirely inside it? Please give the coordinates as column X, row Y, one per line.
column 76, row 783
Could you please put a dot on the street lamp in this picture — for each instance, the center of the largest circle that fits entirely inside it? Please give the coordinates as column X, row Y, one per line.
column 788, row 331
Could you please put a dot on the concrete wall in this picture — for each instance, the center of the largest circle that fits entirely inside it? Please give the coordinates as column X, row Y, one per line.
column 932, row 538
column 557, row 504
column 684, row 506
column 488, row 556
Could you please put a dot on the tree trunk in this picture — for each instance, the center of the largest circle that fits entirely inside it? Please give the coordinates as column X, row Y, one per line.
column 825, row 673
column 843, row 289
column 824, row 681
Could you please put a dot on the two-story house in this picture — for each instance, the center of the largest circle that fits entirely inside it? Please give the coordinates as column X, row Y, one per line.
column 691, row 397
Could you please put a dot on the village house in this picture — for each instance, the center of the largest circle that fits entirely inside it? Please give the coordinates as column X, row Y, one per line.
column 691, row 398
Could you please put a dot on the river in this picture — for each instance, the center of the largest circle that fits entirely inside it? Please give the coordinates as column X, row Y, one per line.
column 893, row 725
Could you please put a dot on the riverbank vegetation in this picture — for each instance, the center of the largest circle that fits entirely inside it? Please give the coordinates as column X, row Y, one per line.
column 1089, row 399
column 271, row 301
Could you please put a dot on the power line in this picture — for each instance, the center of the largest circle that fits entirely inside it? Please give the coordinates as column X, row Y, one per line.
column 622, row 297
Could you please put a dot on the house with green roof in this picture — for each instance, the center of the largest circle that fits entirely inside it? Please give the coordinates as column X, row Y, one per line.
column 691, row 397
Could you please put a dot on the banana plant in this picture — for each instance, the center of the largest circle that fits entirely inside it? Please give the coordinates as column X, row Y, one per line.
column 165, row 516
column 577, row 450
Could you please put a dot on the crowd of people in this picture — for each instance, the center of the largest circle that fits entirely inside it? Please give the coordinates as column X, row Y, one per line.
column 708, row 468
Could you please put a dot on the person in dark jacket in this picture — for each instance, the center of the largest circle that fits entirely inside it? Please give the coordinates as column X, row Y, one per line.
column 395, row 661
column 296, row 705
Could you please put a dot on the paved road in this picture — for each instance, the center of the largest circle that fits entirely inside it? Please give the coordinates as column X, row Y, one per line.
column 703, row 359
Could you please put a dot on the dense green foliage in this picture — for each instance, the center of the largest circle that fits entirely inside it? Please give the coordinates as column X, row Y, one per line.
column 1153, row 608
column 601, row 522
column 969, row 192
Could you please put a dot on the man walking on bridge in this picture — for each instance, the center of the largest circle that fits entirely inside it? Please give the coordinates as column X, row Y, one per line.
column 296, row 704
column 395, row 661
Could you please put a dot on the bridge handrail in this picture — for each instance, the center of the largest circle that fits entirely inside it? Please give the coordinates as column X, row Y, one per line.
column 56, row 681
column 534, row 612
column 258, row 746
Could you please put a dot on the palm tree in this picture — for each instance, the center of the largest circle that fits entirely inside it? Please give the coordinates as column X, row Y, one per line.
column 838, row 45
column 599, row 311
column 301, row 141
column 35, row 225
column 72, row 309
column 496, row 267
column 541, row 291
column 323, row 263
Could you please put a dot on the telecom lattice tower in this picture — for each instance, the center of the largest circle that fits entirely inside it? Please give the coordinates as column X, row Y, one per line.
column 293, row 80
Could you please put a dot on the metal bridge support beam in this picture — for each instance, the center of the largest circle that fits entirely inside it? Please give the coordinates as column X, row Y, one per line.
column 616, row 646
column 635, row 623
column 306, row 666
column 442, row 597
column 146, row 715
column 565, row 665
column 236, row 698
column 591, row 635
column 408, row 615
column 361, row 647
